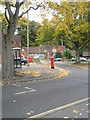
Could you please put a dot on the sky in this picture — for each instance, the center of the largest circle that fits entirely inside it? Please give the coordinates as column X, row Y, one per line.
column 33, row 15
column 36, row 15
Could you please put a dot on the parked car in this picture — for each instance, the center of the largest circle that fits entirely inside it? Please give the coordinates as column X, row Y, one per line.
column 36, row 56
column 72, row 59
column 23, row 60
column 83, row 59
column 58, row 59
column 88, row 59
column 41, row 56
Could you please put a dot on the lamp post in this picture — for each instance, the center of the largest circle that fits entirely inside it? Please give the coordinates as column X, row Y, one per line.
column 28, row 38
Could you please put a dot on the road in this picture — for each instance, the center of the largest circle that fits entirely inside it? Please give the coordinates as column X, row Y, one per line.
column 28, row 99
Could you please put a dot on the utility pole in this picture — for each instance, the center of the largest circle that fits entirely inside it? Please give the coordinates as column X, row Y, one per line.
column 28, row 38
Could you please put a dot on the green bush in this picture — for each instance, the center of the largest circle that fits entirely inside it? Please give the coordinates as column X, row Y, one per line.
column 67, row 54
column 58, row 55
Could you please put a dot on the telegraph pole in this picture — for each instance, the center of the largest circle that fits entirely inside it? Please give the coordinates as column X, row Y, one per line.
column 28, row 38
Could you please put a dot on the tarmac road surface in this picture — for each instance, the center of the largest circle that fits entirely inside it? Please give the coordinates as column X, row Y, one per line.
column 28, row 99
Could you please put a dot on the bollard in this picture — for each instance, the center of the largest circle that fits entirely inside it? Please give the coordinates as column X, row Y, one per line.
column 52, row 62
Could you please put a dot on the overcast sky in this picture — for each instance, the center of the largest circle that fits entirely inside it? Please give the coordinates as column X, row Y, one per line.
column 36, row 14
column 33, row 14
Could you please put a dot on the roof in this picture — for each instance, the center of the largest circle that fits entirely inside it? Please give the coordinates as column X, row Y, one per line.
column 86, row 53
column 43, row 48
column 73, row 52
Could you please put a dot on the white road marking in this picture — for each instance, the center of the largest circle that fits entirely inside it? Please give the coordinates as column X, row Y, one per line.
column 28, row 88
column 25, row 92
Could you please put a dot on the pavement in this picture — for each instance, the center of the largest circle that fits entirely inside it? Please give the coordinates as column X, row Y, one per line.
column 35, row 72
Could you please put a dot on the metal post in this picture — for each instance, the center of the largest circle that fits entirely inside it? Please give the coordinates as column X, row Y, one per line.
column 28, row 38
column 62, row 50
column 39, row 52
column 16, row 58
column 48, row 59
column 48, row 56
column 20, row 59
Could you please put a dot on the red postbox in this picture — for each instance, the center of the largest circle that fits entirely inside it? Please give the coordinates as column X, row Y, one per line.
column 52, row 62
column 30, row 59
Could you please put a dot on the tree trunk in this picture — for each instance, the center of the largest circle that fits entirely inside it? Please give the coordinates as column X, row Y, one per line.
column 7, row 56
column 77, row 53
column 9, row 70
column 8, row 65
column 4, row 58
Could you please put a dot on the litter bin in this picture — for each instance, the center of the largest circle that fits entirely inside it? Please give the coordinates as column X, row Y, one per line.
column 52, row 62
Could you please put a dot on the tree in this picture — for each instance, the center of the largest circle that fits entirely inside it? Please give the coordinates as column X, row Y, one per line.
column 22, row 30
column 74, row 17
column 45, row 33
column 58, row 55
column 12, row 15
column 67, row 54
column 60, row 32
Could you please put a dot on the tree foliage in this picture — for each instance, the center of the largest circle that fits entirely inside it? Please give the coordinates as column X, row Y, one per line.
column 71, row 23
column 58, row 55
column 45, row 33
column 22, row 29
column 67, row 54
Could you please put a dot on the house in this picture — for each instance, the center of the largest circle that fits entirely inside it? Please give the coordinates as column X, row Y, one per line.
column 16, row 42
column 73, row 52
column 45, row 49
column 86, row 54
